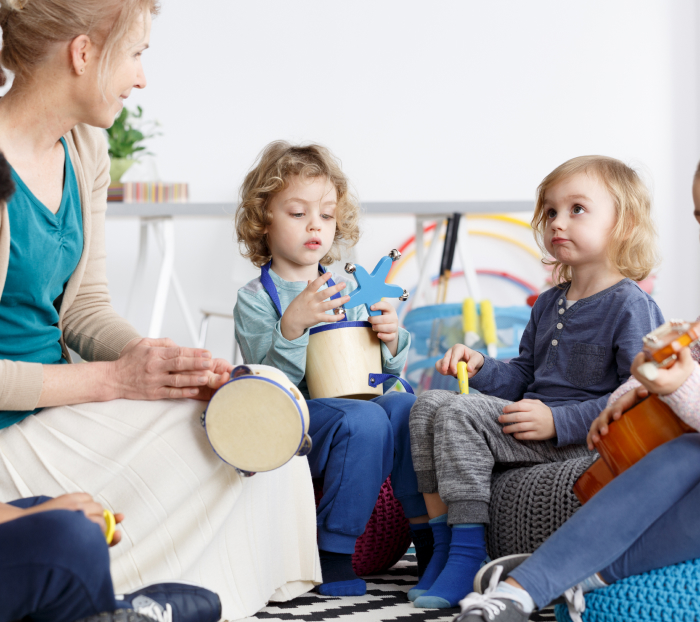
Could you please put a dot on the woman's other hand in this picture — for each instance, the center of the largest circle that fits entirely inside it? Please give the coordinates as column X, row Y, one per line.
column 601, row 423
column 153, row 369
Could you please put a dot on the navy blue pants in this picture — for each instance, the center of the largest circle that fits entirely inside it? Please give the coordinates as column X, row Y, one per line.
column 356, row 445
column 646, row 518
column 54, row 567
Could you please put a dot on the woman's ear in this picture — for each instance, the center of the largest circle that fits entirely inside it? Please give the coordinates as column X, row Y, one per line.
column 81, row 52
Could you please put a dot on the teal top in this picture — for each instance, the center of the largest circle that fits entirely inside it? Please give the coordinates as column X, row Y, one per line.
column 45, row 249
column 260, row 338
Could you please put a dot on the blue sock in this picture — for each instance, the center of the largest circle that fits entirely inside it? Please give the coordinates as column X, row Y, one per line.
column 467, row 551
column 339, row 579
column 441, row 547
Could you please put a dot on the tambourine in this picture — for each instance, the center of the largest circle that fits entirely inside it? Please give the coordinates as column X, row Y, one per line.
column 258, row 420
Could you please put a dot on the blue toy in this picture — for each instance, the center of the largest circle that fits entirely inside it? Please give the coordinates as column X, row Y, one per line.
column 371, row 288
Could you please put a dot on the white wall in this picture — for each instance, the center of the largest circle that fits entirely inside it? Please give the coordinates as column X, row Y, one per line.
column 448, row 100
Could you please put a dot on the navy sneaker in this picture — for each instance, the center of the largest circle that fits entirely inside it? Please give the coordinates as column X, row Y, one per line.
column 120, row 615
column 174, row 602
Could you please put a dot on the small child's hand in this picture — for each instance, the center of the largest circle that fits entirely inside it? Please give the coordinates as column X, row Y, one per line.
column 447, row 365
column 600, row 424
column 386, row 325
column 668, row 380
column 309, row 308
column 528, row 420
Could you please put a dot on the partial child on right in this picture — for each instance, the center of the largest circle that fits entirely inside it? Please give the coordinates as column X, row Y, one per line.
column 593, row 217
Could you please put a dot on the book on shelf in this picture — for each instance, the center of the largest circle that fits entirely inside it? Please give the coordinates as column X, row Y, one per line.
column 148, row 192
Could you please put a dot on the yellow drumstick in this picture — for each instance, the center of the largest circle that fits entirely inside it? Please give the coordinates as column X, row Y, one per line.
column 469, row 322
column 111, row 526
column 488, row 327
column 463, row 377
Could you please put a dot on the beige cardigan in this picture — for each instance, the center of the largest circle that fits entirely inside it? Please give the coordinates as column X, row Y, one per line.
column 87, row 321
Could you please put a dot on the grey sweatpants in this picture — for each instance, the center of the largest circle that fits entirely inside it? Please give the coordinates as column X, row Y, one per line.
column 456, row 441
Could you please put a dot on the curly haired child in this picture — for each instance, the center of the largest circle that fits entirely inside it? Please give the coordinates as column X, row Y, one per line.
column 295, row 212
column 593, row 218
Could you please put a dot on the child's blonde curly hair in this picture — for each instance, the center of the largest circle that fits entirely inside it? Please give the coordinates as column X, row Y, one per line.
column 276, row 164
column 633, row 247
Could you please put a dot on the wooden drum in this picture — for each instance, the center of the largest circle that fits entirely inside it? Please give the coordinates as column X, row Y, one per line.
column 339, row 359
column 258, row 420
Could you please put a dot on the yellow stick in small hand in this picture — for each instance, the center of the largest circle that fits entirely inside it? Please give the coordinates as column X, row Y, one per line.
column 111, row 526
column 463, row 377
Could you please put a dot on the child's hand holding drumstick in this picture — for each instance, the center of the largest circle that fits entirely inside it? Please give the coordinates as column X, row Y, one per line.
column 447, row 366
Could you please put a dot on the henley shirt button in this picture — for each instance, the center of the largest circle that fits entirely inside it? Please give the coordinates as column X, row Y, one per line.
column 561, row 301
column 560, row 326
column 555, row 342
column 561, row 311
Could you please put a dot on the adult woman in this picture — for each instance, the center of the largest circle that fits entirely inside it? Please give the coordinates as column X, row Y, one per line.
column 189, row 516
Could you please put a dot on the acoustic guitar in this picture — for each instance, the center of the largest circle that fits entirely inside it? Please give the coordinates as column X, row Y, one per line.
column 648, row 424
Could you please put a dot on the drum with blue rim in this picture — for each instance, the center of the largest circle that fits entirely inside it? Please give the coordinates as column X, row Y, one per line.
column 258, row 420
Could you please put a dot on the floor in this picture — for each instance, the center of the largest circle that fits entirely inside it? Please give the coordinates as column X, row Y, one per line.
column 385, row 600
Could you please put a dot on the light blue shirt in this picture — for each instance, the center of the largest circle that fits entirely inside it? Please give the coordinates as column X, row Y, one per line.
column 261, row 341
column 45, row 249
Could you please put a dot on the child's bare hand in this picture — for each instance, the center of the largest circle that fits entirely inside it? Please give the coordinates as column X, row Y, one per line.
column 217, row 376
column 386, row 325
column 75, row 502
column 447, row 366
column 668, row 380
column 600, row 424
column 528, row 420
column 309, row 308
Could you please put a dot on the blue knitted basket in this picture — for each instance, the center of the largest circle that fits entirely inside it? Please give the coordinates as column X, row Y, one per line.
column 670, row 594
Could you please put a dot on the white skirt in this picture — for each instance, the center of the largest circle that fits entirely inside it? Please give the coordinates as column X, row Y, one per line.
column 189, row 516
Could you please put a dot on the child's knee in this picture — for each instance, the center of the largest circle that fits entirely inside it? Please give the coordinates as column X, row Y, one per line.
column 75, row 542
column 368, row 423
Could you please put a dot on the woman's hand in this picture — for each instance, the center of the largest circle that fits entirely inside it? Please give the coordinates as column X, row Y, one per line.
column 153, row 369
column 528, row 420
column 309, row 308
column 600, row 425
column 386, row 325
column 667, row 380
column 447, row 365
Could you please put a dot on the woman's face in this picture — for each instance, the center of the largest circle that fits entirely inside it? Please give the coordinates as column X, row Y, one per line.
column 126, row 74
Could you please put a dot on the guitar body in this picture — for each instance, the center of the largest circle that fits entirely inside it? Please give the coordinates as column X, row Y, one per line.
column 639, row 431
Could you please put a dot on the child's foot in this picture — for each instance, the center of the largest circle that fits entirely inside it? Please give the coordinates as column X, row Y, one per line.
column 442, row 535
column 467, row 552
column 176, row 602
column 339, row 579
column 507, row 563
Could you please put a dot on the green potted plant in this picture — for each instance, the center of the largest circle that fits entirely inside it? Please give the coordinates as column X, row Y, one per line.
column 125, row 141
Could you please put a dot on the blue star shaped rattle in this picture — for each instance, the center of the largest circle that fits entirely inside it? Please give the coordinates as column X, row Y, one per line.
column 373, row 287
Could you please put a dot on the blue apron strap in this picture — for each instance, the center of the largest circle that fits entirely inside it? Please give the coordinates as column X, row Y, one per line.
column 377, row 379
column 270, row 288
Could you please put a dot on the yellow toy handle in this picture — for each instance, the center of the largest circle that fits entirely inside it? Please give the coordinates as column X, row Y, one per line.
column 470, row 322
column 463, row 377
column 488, row 327
column 111, row 526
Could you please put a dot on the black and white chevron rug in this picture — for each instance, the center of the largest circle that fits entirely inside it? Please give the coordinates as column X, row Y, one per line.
column 385, row 600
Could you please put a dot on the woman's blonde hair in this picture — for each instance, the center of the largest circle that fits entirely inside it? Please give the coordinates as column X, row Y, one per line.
column 274, row 168
column 31, row 27
column 633, row 244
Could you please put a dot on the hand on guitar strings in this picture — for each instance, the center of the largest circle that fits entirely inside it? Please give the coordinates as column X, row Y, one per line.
column 528, row 420
column 613, row 412
column 670, row 379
